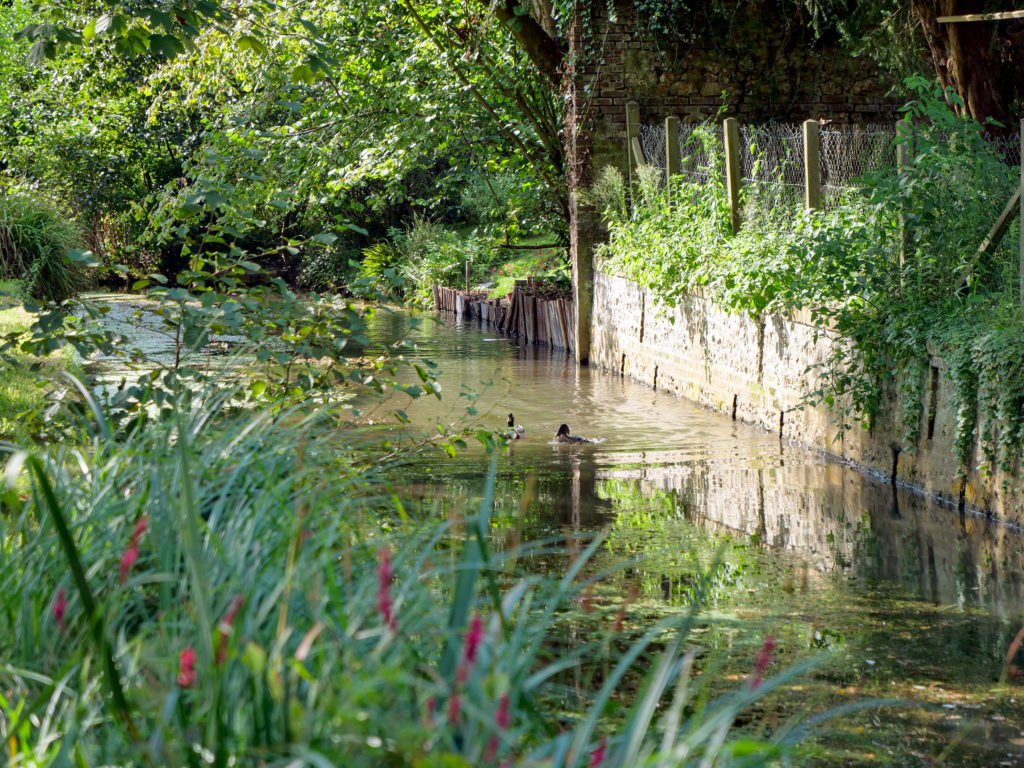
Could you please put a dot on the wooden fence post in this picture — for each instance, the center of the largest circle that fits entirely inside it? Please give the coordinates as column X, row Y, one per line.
column 732, row 170
column 671, row 152
column 812, row 165
column 632, row 133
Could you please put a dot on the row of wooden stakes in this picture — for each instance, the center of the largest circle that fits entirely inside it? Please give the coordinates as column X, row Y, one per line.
column 547, row 322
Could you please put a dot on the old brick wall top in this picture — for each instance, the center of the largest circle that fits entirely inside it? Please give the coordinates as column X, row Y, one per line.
column 760, row 66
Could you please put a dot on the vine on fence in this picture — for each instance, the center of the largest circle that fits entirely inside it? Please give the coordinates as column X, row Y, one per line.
column 844, row 265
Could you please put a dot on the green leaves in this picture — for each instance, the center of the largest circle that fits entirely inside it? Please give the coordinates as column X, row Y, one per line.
column 250, row 43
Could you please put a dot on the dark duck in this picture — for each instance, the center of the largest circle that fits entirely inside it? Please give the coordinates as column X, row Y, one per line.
column 563, row 436
column 514, row 431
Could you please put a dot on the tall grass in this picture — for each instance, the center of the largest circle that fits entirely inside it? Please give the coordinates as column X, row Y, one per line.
column 215, row 590
column 34, row 242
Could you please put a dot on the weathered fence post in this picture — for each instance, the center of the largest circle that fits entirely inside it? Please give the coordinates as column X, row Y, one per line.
column 632, row 135
column 732, row 170
column 812, row 165
column 671, row 152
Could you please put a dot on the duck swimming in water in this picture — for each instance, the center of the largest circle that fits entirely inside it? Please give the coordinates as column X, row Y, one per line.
column 563, row 436
column 515, row 431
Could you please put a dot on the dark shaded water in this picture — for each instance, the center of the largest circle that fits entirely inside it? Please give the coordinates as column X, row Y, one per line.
column 915, row 601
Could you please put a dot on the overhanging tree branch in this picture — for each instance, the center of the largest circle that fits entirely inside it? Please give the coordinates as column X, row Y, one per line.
column 543, row 50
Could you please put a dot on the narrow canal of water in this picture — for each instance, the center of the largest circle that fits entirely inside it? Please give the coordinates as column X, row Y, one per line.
column 910, row 600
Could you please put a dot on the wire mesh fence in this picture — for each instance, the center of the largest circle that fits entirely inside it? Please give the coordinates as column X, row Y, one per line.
column 772, row 160
column 847, row 154
column 772, row 169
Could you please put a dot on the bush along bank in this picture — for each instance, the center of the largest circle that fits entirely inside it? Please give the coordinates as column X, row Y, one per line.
column 890, row 273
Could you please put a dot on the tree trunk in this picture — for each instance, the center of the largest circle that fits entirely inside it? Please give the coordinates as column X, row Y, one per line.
column 967, row 58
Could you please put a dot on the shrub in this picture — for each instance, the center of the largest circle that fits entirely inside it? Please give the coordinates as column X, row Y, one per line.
column 35, row 239
column 434, row 255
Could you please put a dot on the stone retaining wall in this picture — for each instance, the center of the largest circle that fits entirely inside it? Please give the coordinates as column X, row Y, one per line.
column 761, row 370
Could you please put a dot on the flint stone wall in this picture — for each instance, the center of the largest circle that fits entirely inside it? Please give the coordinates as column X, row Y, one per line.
column 761, row 370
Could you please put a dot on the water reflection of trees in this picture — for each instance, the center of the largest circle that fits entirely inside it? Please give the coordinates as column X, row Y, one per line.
column 839, row 520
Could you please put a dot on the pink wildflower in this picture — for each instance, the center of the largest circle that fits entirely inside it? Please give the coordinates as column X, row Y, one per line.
column 431, row 709
column 470, row 646
column 187, row 667
column 127, row 561
column 384, row 603
column 597, row 756
column 131, row 554
column 501, row 717
column 454, row 707
column 764, row 658
column 60, row 607
column 492, row 750
column 473, row 638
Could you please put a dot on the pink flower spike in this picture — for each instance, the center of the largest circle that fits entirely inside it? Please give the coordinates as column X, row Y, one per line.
column 229, row 617
column 60, row 607
column 384, row 604
column 187, row 667
column 473, row 638
column 597, row 756
column 223, row 630
column 454, row 707
column 492, row 750
column 131, row 554
column 764, row 658
column 127, row 562
column 501, row 717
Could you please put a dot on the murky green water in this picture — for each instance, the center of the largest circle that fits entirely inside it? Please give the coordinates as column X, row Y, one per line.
column 908, row 599
column 912, row 600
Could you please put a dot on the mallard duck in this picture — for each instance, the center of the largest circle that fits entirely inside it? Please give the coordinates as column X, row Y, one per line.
column 515, row 431
column 563, row 436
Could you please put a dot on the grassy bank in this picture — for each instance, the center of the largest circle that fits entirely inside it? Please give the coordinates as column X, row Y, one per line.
column 25, row 380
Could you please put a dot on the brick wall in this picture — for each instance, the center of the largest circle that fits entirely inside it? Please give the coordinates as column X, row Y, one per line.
column 761, row 67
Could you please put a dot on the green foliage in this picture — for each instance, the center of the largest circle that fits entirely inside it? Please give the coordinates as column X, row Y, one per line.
column 432, row 254
column 381, row 268
column 547, row 268
column 844, row 265
column 30, row 389
column 317, row 127
column 607, row 194
column 35, row 240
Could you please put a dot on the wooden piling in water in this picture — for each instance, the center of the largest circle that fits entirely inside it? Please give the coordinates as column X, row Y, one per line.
column 546, row 322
